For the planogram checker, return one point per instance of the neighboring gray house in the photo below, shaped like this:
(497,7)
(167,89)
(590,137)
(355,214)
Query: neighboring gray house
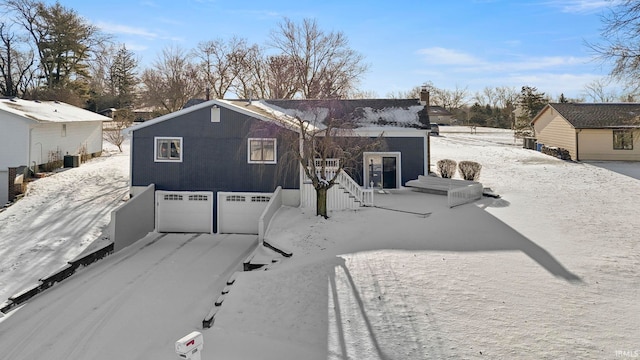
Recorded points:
(38,132)
(228,156)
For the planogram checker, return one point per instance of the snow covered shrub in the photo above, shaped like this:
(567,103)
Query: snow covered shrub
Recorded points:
(469,170)
(447,168)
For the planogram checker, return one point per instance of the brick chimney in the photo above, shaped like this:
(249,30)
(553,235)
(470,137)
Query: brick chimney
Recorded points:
(424,96)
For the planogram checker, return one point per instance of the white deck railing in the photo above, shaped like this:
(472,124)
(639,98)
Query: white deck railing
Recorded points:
(345,194)
(331,166)
(465,194)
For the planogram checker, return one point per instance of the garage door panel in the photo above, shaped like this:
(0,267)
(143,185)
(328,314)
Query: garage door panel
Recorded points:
(183,211)
(239,213)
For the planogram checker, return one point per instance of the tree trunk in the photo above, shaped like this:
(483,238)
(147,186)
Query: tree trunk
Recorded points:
(321,202)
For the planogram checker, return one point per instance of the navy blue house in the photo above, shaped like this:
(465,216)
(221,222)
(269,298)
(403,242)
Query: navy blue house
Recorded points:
(240,151)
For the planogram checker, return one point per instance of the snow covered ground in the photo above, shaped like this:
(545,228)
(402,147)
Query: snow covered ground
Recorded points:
(59,218)
(549,270)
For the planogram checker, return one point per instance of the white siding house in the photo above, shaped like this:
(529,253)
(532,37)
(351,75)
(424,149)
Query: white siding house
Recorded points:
(34,132)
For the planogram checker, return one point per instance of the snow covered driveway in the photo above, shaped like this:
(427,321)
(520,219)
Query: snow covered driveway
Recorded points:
(133,304)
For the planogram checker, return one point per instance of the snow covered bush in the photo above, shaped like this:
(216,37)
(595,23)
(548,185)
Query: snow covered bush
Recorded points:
(447,168)
(469,170)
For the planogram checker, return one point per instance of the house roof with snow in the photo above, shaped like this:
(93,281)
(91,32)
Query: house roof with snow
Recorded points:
(48,111)
(597,115)
(407,113)
(254,109)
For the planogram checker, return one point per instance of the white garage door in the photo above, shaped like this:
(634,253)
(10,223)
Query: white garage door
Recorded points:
(184,211)
(4,187)
(239,213)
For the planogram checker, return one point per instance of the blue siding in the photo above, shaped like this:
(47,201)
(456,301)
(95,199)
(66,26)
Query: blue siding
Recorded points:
(214,155)
(412,160)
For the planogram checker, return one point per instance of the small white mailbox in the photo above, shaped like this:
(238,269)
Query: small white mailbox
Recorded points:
(190,346)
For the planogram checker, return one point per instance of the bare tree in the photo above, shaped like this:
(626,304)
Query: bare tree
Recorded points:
(171,81)
(414,93)
(281,81)
(621,41)
(596,91)
(265,77)
(222,62)
(113,130)
(325,66)
(449,99)
(16,67)
(322,136)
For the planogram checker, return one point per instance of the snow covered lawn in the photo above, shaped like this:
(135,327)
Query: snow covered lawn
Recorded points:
(550,270)
(59,218)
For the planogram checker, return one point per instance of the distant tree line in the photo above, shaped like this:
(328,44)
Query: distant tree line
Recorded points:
(49,52)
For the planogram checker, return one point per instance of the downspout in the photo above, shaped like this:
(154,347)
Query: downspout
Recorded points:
(578,144)
(428,157)
(29,144)
(131,147)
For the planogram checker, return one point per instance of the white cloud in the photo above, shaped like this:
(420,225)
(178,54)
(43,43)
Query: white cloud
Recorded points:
(459,61)
(126,30)
(439,55)
(581,6)
(550,74)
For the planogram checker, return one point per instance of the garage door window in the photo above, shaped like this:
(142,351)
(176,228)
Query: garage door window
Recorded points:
(168,149)
(262,151)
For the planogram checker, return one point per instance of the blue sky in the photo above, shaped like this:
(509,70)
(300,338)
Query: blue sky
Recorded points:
(455,43)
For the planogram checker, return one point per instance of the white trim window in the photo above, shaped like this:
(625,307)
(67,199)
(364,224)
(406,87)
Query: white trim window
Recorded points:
(261,151)
(167,149)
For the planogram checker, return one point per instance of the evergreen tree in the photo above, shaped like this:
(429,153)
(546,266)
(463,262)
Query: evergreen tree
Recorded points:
(531,102)
(123,78)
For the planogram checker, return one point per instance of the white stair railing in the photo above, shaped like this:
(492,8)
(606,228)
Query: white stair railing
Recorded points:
(364,196)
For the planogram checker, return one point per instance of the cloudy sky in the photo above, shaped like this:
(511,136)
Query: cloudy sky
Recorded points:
(457,43)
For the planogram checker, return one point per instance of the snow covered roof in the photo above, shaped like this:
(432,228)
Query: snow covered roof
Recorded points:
(254,109)
(48,111)
(404,113)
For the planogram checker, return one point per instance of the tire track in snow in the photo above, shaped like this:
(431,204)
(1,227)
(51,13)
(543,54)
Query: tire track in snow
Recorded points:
(118,300)
(97,318)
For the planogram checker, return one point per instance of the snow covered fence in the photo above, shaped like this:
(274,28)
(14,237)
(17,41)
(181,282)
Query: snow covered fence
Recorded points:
(49,280)
(265,218)
(134,219)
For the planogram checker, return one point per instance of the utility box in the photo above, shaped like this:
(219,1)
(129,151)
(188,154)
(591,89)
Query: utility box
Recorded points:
(71,161)
(190,346)
(529,143)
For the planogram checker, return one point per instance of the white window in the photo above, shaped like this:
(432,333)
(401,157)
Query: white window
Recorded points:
(64,130)
(168,149)
(262,151)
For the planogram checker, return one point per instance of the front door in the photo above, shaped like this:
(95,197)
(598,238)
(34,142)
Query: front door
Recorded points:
(389,172)
(381,170)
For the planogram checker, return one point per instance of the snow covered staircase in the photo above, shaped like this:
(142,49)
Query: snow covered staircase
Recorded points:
(345,194)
